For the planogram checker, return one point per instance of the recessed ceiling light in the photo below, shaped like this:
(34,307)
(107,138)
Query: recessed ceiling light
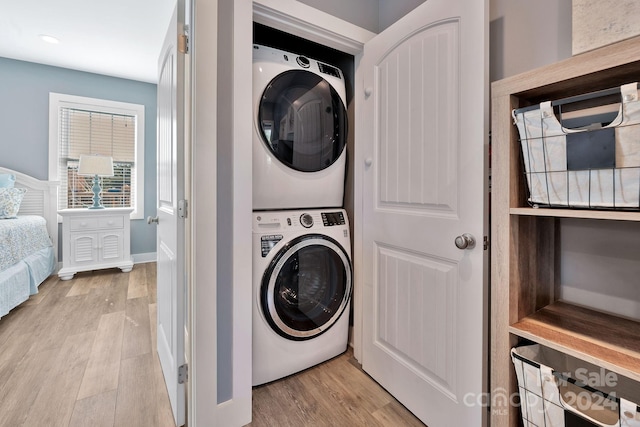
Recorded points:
(49,39)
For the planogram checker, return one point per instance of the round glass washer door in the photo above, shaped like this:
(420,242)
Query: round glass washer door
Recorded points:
(306,287)
(303,121)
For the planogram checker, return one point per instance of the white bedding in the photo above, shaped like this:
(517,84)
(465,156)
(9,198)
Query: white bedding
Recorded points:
(20,237)
(22,279)
(26,259)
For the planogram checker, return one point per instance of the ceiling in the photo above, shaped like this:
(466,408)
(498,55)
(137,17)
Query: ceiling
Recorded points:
(120,38)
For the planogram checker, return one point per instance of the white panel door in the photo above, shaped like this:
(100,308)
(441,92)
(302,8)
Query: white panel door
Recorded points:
(422,141)
(170,239)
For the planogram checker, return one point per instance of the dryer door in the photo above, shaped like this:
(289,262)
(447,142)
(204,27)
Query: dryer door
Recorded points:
(303,121)
(306,287)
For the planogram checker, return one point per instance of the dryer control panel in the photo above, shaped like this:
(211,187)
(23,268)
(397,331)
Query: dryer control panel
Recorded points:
(330,219)
(328,69)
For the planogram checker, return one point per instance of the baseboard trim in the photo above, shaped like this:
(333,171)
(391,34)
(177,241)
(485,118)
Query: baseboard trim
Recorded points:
(137,259)
(144,257)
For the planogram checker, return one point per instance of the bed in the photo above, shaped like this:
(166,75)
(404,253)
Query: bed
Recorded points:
(28,238)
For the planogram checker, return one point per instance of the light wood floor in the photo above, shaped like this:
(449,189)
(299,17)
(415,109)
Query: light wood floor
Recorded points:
(336,393)
(82,353)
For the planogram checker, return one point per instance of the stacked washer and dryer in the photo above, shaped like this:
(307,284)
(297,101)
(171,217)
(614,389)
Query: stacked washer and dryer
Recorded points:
(302,272)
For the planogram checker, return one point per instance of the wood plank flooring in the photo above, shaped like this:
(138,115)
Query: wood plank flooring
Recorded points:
(80,353)
(334,393)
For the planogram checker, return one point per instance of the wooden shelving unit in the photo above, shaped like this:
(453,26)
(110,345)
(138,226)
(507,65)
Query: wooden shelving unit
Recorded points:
(572,213)
(524,240)
(598,338)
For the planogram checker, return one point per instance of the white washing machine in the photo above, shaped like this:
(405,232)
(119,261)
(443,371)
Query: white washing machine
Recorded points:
(300,131)
(302,281)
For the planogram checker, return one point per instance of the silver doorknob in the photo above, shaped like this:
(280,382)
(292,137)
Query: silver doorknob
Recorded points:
(466,241)
(151,220)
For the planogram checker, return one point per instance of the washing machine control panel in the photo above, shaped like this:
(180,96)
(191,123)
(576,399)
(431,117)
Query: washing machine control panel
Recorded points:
(330,219)
(306,220)
(268,242)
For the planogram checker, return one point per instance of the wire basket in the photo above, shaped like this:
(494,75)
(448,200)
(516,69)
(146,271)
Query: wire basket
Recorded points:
(558,390)
(583,151)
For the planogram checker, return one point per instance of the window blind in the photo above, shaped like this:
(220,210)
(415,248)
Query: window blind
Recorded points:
(95,132)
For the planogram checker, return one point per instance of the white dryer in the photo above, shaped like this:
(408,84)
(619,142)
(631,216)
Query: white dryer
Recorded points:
(302,281)
(300,131)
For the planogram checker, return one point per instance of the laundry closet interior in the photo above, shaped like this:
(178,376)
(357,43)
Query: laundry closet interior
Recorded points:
(302,268)
(333,214)
(300,30)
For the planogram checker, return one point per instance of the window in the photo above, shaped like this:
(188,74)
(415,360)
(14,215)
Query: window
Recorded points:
(79,125)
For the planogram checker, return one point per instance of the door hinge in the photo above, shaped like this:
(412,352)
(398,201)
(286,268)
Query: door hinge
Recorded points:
(486,242)
(183,209)
(183,373)
(183,43)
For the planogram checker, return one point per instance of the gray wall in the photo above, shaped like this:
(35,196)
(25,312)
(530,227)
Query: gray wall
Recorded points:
(225,214)
(373,15)
(527,34)
(599,260)
(600,265)
(392,10)
(24,124)
(363,13)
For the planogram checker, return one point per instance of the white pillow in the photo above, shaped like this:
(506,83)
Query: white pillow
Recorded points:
(10,199)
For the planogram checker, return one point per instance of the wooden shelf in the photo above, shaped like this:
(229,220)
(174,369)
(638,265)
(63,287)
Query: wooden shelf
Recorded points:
(602,339)
(526,252)
(577,213)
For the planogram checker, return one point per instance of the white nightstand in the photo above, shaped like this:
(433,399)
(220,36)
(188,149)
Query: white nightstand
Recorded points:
(93,239)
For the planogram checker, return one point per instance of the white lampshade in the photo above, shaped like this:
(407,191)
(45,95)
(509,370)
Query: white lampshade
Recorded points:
(95,165)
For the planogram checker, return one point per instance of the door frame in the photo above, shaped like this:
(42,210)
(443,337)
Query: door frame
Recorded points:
(220,42)
(211,72)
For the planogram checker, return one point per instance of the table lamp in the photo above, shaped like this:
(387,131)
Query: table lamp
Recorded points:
(96,166)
